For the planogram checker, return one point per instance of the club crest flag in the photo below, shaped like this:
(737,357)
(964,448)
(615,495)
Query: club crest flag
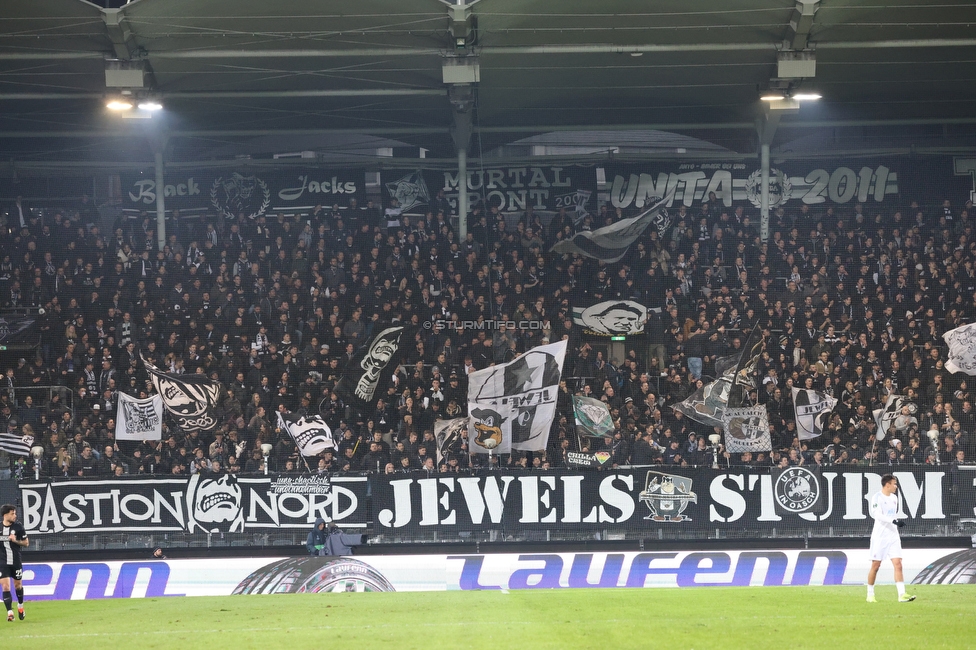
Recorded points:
(367,375)
(448,434)
(139,419)
(962,349)
(593,419)
(188,398)
(612,318)
(896,415)
(610,243)
(311,434)
(747,429)
(512,405)
(812,410)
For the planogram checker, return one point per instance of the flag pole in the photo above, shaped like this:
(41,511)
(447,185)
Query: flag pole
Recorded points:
(873,445)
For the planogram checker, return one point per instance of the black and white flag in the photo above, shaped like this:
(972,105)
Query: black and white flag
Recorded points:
(744,378)
(512,405)
(311,434)
(896,415)
(139,419)
(448,434)
(962,349)
(708,404)
(612,318)
(188,398)
(368,373)
(610,243)
(812,409)
(16,444)
(747,429)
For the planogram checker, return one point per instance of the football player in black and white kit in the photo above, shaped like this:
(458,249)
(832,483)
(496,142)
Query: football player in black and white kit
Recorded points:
(11,567)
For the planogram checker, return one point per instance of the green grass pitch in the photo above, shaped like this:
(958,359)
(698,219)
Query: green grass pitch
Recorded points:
(714,617)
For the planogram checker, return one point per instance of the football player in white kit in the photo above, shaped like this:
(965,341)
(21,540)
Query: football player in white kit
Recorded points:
(885,541)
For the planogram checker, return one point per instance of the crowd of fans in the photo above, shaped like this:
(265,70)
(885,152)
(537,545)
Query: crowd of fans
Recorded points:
(851,303)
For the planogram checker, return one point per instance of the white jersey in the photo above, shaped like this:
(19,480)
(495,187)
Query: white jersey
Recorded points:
(884,510)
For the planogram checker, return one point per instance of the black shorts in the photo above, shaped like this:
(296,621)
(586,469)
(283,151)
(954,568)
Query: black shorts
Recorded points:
(15,571)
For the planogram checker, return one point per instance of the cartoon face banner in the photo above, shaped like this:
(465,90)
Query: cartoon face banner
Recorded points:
(708,404)
(139,419)
(194,504)
(369,371)
(747,429)
(311,434)
(612,318)
(512,405)
(188,398)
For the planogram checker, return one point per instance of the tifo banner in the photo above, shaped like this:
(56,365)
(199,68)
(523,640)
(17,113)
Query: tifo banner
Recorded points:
(223,577)
(812,410)
(369,371)
(610,243)
(612,318)
(640,499)
(190,399)
(311,434)
(792,183)
(543,188)
(593,418)
(254,192)
(193,504)
(512,405)
(139,419)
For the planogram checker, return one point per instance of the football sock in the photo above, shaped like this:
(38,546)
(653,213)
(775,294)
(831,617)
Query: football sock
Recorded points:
(20,595)
(901,588)
(870,590)
(8,601)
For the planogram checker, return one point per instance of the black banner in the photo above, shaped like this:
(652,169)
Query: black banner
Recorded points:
(195,504)
(544,188)
(636,500)
(254,192)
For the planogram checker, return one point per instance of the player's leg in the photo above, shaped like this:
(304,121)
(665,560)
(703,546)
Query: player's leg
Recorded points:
(6,579)
(872,576)
(900,581)
(19,590)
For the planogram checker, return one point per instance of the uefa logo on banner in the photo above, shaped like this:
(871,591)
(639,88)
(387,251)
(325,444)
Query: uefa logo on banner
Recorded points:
(797,489)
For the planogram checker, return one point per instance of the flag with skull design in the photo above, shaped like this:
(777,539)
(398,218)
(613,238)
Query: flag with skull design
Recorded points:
(367,375)
(188,398)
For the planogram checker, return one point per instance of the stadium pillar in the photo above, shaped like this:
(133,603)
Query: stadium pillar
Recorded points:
(462,194)
(160,201)
(764,200)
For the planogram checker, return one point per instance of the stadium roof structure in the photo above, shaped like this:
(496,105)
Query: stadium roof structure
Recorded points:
(233,72)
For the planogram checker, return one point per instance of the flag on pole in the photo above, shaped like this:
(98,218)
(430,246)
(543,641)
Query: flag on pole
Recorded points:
(962,349)
(896,415)
(16,443)
(139,419)
(512,405)
(747,429)
(610,243)
(188,398)
(366,376)
(812,409)
(708,404)
(448,434)
(311,434)
(593,419)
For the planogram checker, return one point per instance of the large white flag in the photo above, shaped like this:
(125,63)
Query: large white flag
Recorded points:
(512,405)
(747,429)
(962,349)
(311,434)
(139,419)
(812,409)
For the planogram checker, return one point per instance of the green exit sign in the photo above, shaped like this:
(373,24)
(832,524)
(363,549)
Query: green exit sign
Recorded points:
(618,338)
